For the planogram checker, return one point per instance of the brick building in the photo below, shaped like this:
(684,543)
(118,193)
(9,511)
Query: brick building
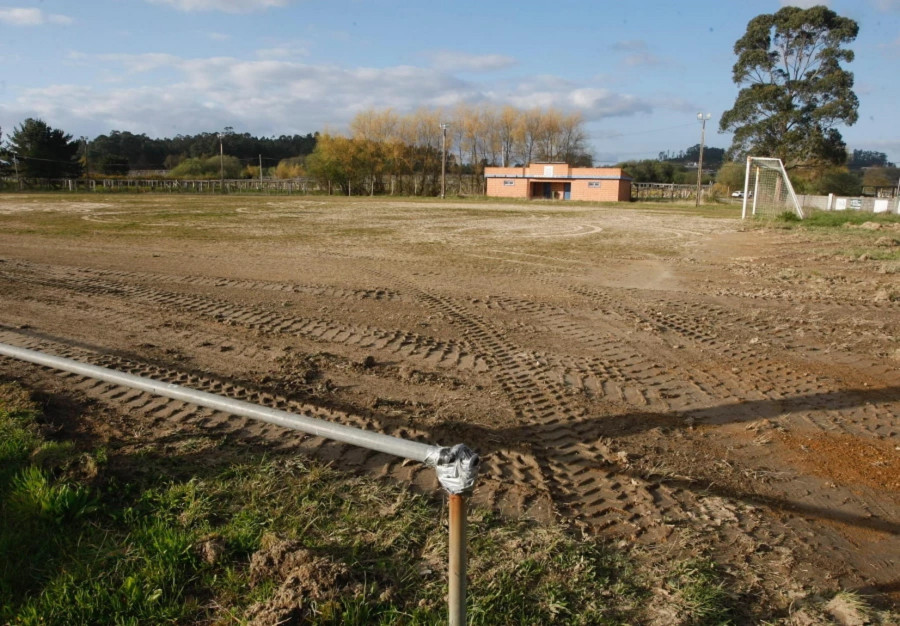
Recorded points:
(559,181)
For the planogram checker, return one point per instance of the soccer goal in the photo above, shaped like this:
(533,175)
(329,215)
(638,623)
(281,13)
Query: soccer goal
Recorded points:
(767,189)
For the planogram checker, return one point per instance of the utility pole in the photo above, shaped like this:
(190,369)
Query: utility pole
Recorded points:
(260,169)
(87,161)
(702,118)
(221,164)
(444,128)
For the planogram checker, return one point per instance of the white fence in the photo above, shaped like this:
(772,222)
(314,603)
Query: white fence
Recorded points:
(832,202)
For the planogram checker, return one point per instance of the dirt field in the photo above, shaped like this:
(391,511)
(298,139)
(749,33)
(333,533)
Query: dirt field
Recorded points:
(667,377)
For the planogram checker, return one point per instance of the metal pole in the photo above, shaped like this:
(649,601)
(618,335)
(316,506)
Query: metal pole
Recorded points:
(221,164)
(756,190)
(457,573)
(746,184)
(702,119)
(414,450)
(443,158)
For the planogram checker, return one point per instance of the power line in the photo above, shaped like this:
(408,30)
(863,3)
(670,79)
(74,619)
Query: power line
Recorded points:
(22,157)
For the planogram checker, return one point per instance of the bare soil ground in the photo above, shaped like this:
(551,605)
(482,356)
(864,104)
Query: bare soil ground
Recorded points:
(669,378)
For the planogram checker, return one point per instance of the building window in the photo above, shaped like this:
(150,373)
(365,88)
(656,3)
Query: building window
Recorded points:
(509,183)
(594,184)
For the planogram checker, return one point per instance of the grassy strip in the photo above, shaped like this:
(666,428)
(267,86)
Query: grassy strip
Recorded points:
(851,234)
(837,219)
(90,537)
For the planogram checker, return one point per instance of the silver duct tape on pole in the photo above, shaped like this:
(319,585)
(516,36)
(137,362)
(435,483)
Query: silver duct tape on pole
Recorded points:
(456,468)
(424,453)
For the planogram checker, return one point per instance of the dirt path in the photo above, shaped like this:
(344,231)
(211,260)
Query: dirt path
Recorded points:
(644,374)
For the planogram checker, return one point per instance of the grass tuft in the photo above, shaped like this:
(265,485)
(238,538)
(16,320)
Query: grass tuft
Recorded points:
(699,586)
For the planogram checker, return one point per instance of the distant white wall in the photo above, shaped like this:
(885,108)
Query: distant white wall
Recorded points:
(841,203)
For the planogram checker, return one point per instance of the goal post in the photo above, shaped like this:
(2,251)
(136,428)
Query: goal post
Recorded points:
(767,189)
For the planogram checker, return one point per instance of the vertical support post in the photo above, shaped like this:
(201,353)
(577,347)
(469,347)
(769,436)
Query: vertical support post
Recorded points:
(221,164)
(756,190)
(702,118)
(457,574)
(746,186)
(456,469)
(443,159)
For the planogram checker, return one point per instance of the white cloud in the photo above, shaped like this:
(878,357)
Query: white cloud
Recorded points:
(31,17)
(451,61)
(594,103)
(228,6)
(277,95)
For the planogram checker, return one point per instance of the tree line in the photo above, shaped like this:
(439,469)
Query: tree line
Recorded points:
(381,144)
(36,150)
(385,151)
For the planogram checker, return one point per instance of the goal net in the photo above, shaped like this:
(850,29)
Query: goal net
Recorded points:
(767,189)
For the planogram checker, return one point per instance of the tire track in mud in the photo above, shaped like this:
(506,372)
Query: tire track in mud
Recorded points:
(756,377)
(706,386)
(328,291)
(619,371)
(777,383)
(507,479)
(577,466)
(827,405)
(252,285)
(558,452)
(436,353)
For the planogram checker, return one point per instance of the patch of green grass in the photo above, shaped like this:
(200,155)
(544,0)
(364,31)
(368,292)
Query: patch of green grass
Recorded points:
(835,219)
(701,594)
(34,494)
(823,220)
(546,577)
(844,234)
(789,217)
(19,434)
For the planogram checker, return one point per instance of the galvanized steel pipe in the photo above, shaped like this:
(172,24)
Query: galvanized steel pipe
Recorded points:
(414,450)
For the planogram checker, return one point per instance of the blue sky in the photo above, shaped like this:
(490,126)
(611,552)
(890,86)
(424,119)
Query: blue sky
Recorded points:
(638,72)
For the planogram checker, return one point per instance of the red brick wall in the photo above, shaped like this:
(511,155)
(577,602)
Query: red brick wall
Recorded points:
(518,188)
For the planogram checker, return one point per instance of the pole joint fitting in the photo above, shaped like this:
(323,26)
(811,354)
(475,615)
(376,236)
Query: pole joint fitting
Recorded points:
(456,468)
